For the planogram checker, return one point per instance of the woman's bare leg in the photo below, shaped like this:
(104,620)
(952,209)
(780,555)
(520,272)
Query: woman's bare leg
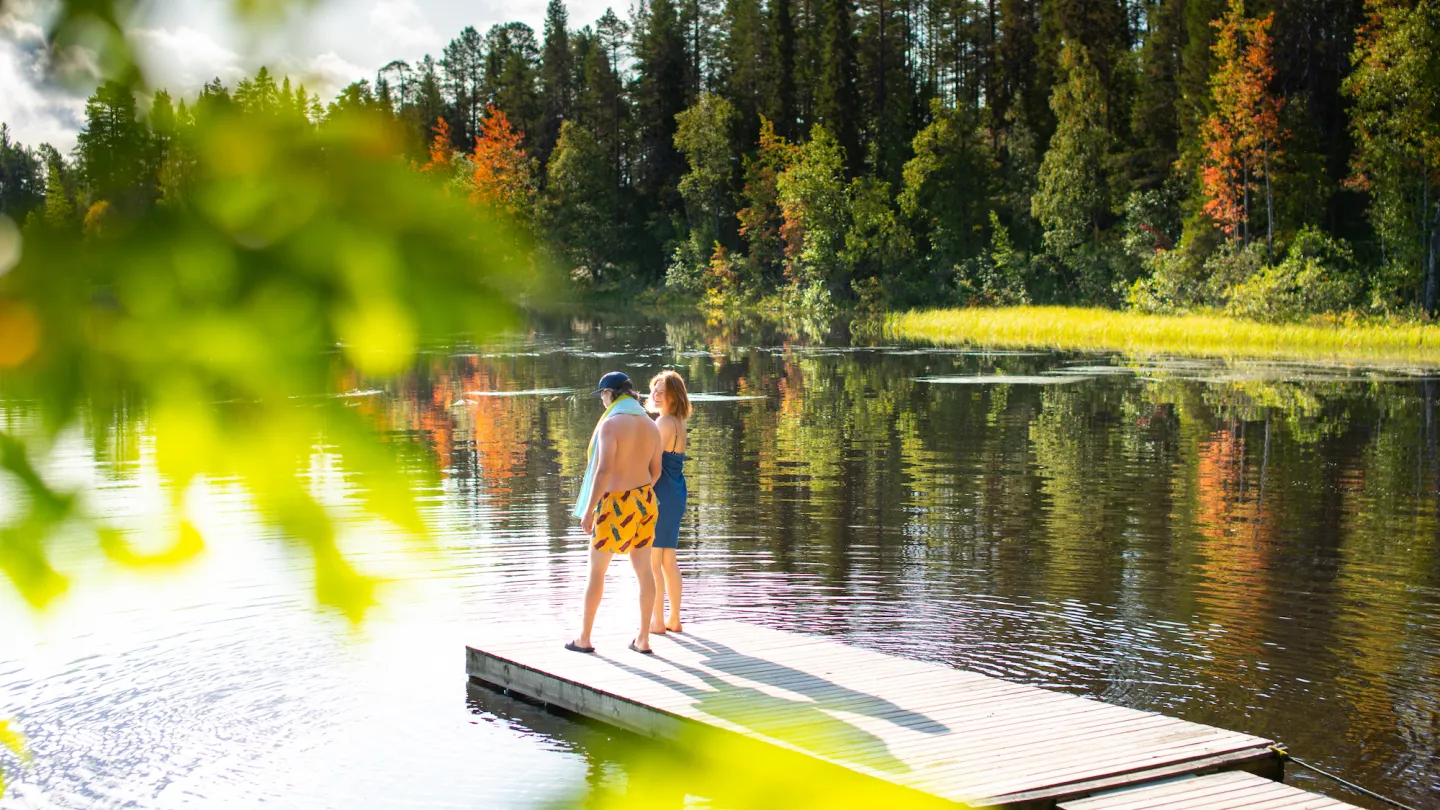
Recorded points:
(671,566)
(640,559)
(594,589)
(657,616)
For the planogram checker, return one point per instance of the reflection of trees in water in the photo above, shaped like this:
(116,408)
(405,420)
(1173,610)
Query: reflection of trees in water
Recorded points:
(1387,637)
(1286,524)
(1079,457)
(1237,531)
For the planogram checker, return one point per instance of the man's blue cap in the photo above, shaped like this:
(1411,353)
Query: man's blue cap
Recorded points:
(610,382)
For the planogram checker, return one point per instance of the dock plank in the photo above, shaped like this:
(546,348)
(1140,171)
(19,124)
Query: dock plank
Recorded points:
(961,736)
(1220,791)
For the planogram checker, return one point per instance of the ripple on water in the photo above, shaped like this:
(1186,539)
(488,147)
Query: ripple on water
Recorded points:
(1071,522)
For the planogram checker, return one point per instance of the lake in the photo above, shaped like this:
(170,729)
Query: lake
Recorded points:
(1249,545)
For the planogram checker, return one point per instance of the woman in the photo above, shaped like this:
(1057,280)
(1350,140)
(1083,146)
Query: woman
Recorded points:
(670,401)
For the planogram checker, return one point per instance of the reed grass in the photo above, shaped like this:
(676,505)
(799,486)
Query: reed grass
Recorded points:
(1083,329)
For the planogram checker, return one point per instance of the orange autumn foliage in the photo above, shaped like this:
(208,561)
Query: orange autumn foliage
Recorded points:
(439,150)
(1242,136)
(503,175)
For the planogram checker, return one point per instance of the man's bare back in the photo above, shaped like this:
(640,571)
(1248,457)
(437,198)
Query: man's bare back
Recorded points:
(629,452)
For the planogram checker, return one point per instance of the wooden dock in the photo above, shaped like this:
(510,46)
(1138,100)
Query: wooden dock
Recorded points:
(959,736)
(1213,792)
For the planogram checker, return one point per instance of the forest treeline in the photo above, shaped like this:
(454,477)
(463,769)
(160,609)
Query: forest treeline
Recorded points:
(1272,158)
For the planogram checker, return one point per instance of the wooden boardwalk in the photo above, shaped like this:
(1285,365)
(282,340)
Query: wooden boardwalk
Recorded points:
(960,736)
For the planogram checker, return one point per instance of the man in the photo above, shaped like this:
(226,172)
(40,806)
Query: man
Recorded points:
(617,506)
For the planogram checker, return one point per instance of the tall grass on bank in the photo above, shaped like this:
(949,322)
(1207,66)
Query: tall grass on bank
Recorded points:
(1074,328)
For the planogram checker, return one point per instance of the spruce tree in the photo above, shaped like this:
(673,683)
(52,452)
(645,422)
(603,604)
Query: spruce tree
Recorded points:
(557,77)
(661,94)
(112,147)
(21,179)
(1396,126)
(1072,202)
(835,94)
(463,69)
(779,76)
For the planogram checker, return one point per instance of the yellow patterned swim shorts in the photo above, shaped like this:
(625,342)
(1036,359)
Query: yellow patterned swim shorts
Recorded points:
(625,521)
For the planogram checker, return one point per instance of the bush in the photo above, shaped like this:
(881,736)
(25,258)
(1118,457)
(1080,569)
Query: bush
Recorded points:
(1228,267)
(996,276)
(721,278)
(688,265)
(812,298)
(1196,275)
(1174,281)
(1317,276)
(1152,221)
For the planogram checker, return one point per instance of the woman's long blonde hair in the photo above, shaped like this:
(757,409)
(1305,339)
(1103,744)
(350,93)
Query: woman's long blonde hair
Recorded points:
(677,400)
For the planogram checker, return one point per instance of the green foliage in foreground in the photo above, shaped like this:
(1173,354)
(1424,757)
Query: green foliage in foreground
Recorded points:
(1081,329)
(734,771)
(294,262)
(12,741)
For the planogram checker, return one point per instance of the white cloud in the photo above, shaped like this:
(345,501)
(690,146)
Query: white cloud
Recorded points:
(184,43)
(38,108)
(403,23)
(183,59)
(328,73)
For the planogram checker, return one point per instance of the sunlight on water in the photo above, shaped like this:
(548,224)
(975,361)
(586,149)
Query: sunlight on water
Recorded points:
(1253,550)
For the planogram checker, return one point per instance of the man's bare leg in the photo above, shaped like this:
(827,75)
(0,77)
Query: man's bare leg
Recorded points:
(640,559)
(657,617)
(671,568)
(594,589)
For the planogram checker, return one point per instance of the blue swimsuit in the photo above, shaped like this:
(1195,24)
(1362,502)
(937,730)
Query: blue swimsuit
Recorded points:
(670,491)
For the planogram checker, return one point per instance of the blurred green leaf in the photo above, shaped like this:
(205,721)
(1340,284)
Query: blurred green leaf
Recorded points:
(13,741)
(295,254)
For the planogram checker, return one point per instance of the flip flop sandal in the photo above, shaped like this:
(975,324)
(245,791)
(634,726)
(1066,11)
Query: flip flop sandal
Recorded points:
(573,647)
(642,652)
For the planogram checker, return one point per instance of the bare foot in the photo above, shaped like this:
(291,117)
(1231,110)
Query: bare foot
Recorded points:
(676,628)
(657,629)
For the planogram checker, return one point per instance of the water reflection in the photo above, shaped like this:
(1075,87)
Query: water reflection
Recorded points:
(1253,546)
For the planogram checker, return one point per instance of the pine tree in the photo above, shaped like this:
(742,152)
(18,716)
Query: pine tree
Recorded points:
(428,106)
(661,94)
(1155,118)
(779,73)
(511,76)
(603,78)
(557,77)
(1396,126)
(889,105)
(112,147)
(59,210)
(1072,202)
(741,73)
(463,68)
(836,93)
(1196,59)
(21,178)
(575,211)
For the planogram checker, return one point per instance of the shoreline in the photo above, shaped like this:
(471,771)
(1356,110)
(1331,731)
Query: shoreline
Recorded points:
(1219,336)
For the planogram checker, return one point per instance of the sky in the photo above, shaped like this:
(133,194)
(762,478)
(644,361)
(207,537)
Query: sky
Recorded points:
(183,43)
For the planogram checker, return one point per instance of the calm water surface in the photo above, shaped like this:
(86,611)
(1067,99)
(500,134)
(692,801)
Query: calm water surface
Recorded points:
(1247,545)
